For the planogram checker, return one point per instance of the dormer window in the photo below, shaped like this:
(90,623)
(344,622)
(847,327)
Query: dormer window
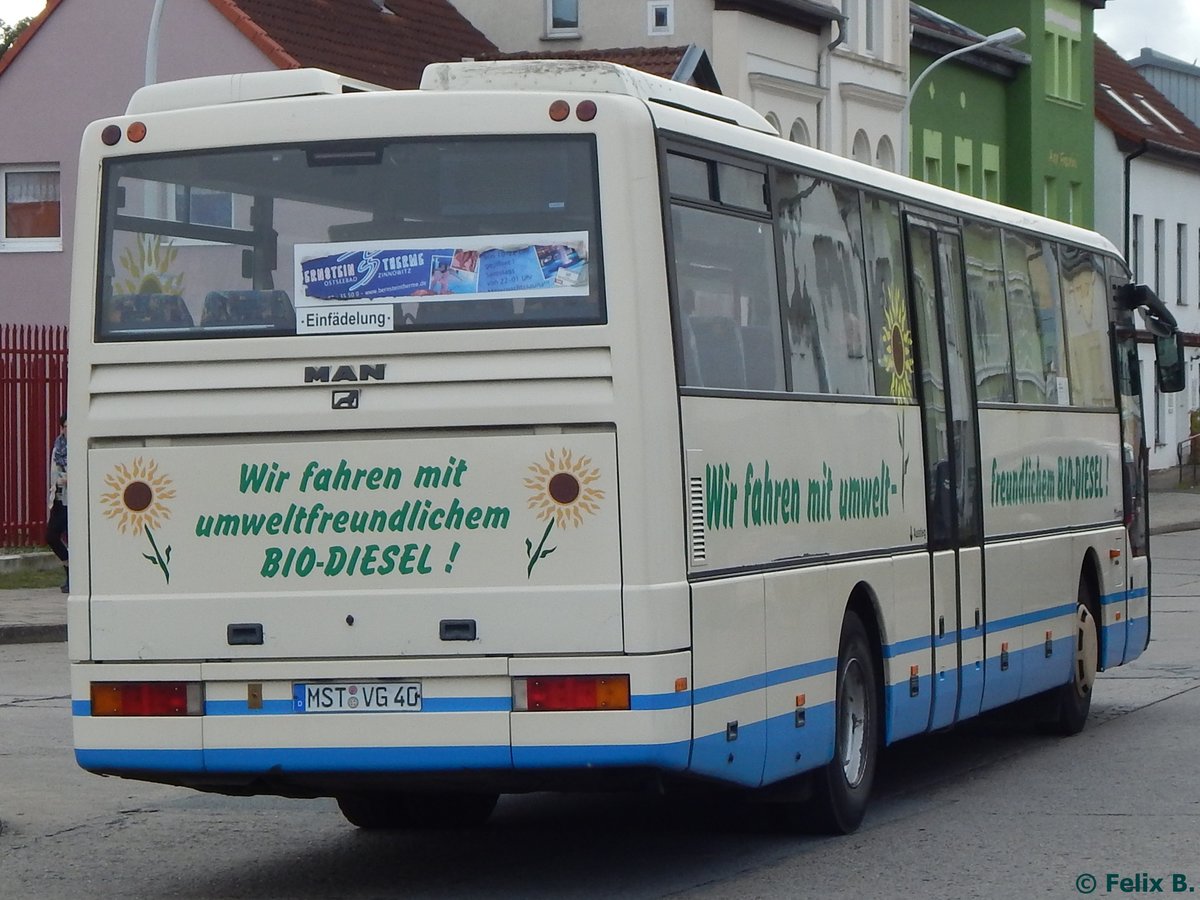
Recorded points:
(562,18)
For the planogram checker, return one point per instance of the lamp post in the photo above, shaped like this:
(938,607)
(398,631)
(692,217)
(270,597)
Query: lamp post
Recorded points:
(1012,35)
(152,43)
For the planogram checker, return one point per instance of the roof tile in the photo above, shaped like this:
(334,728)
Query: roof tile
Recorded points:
(388,45)
(1128,84)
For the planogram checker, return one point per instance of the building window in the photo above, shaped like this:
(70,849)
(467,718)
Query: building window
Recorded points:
(799,133)
(885,154)
(32,209)
(872,25)
(1049,198)
(660,17)
(931,150)
(1062,67)
(861,151)
(562,18)
(200,206)
(990,158)
(1181,258)
(1074,202)
(964,176)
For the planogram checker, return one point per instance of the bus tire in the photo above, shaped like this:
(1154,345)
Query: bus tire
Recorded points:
(1075,697)
(842,789)
(450,810)
(378,811)
(390,811)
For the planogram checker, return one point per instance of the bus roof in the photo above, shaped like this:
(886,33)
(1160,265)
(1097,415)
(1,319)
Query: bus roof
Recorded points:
(213,90)
(589,76)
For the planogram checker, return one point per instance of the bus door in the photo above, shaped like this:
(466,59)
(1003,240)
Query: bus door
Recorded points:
(952,471)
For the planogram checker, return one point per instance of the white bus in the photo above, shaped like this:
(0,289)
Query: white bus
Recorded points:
(555,426)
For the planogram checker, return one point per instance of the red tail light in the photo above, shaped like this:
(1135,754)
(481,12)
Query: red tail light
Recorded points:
(570,692)
(147,698)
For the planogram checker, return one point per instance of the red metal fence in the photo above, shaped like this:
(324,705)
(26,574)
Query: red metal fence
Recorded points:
(33,389)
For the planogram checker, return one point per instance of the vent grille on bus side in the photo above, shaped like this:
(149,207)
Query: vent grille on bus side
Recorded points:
(699,549)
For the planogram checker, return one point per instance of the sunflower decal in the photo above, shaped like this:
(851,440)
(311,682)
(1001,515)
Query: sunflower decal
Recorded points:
(896,345)
(147,267)
(137,501)
(560,492)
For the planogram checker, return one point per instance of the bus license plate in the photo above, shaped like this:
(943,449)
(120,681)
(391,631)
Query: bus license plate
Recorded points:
(358,696)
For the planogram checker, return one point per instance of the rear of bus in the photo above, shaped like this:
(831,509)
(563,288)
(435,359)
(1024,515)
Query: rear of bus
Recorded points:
(375,399)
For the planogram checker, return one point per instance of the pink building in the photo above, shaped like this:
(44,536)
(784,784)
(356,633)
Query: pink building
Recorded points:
(81,61)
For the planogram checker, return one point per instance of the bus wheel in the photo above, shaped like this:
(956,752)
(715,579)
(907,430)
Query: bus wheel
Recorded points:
(1075,697)
(390,811)
(373,812)
(450,810)
(842,789)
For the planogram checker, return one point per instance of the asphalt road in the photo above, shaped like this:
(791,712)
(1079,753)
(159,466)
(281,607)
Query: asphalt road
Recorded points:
(989,810)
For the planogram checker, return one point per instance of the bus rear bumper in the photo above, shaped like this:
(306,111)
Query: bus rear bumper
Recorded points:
(251,737)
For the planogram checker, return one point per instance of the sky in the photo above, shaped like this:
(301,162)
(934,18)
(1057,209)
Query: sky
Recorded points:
(1169,26)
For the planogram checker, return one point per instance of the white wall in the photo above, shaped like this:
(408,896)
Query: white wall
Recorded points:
(1163,190)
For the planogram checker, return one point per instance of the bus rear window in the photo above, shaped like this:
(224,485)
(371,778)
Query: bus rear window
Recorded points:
(361,236)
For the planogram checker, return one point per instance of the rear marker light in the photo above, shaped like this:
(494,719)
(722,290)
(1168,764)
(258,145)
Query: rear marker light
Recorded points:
(111,135)
(147,698)
(136,132)
(560,693)
(559,110)
(586,110)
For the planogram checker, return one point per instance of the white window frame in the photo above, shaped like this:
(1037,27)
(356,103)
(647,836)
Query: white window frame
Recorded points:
(29,244)
(556,33)
(651,8)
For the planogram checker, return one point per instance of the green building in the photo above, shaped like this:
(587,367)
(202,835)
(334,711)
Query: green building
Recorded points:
(1013,124)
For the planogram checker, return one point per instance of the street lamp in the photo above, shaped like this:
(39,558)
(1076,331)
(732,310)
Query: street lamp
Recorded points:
(152,43)
(1012,35)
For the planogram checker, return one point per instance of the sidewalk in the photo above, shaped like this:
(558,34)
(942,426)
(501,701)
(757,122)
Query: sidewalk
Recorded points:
(39,615)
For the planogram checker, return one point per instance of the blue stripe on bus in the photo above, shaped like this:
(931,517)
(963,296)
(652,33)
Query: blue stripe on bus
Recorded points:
(726,689)
(673,700)
(141,760)
(899,648)
(1122,596)
(428,704)
(666,756)
(242,760)
(803,670)
(1041,615)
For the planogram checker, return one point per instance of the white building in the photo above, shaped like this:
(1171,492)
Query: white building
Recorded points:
(828,74)
(1148,154)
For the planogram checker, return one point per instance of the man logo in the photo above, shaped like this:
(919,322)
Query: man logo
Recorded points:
(364,372)
(346,399)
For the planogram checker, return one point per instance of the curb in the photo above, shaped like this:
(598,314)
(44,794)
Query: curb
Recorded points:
(29,562)
(33,634)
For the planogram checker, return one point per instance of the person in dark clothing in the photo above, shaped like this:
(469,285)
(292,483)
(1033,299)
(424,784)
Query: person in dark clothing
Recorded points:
(56,522)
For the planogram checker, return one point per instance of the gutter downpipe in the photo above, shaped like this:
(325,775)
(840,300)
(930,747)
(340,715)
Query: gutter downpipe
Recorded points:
(825,120)
(1128,217)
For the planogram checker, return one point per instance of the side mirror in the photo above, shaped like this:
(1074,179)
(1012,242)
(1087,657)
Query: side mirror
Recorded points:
(1169,367)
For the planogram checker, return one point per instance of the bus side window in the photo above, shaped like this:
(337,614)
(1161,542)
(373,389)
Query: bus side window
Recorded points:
(718,351)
